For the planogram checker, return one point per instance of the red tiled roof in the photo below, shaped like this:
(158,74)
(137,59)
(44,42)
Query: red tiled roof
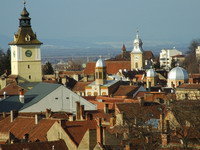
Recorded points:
(139,94)
(12,89)
(100,101)
(47,145)
(80,86)
(23,125)
(126,90)
(139,77)
(190,86)
(70,72)
(77,129)
(90,68)
(178,56)
(132,110)
(40,131)
(100,114)
(112,67)
(197,75)
(148,55)
(100,105)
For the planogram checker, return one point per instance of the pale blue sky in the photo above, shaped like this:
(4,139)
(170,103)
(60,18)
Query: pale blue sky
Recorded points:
(107,21)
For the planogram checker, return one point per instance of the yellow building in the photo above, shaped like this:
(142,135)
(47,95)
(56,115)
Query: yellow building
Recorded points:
(25,52)
(101,86)
(151,78)
(137,61)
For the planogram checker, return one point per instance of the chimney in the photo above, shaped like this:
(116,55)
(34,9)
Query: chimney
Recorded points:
(4,114)
(99,131)
(62,122)
(141,101)
(106,108)
(148,139)
(82,112)
(13,115)
(4,95)
(112,121)
(71,118)
(88,116)
(21,96)
(78,111)
(38,117)
(48,113)
(165,139)
(26,138)
(128,146)
(162,121)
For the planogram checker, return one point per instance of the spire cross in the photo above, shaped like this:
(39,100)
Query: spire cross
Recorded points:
(24,3)
(137,35)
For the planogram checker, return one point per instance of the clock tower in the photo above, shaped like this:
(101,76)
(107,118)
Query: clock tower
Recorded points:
(137,61)
(25,52)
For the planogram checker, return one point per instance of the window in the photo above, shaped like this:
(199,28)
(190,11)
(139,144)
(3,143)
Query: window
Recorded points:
(97,75)
(27,38)
(136,65)
(29,76)
(88,93)
(28,66)
(100,75)
(95,94)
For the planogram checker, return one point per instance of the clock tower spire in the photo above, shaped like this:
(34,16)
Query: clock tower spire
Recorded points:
(25,51)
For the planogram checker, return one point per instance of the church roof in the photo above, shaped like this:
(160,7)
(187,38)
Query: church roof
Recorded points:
(25,35)
(20,37)
(178,73)
(151,73)
(100,63)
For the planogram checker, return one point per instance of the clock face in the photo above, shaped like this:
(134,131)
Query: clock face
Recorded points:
(28,53)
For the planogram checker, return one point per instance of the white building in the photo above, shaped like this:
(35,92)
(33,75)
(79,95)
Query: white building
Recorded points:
(166,57)
(46,95)
(198,53)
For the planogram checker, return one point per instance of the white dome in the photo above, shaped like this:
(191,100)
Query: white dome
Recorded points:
(100,63)
(151,73)
(137,40)
(178,73)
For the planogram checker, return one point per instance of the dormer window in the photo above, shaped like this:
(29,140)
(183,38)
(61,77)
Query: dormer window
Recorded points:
(27,38)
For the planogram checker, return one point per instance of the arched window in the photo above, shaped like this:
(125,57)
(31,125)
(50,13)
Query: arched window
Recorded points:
(136,65)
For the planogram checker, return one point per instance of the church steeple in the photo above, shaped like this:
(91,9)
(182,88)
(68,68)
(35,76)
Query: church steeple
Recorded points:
(137,44)
(25,51)
(25,20)
(25,34)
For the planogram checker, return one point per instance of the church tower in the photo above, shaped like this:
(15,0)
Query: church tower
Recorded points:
(25,52)
(137,61)
(100,72)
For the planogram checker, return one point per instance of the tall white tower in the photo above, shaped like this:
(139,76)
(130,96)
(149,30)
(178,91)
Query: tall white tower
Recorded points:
(137,61)
(25,52)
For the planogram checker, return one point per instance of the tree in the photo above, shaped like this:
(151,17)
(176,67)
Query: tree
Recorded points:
(5,62)
(47,69)
(191,63)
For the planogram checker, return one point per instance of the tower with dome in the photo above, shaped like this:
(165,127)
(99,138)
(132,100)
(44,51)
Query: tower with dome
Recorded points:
(177,76)
(137,61)
(101,86)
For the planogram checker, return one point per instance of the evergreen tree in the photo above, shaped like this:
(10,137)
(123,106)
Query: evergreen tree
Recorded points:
(47,69)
